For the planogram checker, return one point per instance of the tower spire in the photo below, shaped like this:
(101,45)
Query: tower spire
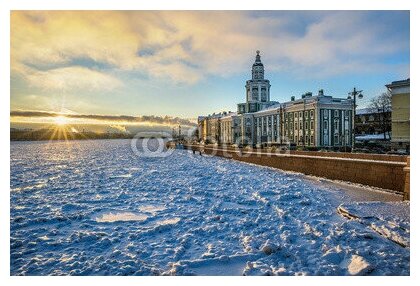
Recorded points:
(257,57)
(258,67)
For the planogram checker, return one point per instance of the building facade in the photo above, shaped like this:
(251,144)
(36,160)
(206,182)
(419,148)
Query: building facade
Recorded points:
(312,121)
(209,128)
(400,91)
(369,121)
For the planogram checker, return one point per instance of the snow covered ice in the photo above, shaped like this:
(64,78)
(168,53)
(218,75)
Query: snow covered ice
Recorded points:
(94,208)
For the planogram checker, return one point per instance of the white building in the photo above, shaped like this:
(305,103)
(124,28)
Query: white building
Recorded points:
(312,121)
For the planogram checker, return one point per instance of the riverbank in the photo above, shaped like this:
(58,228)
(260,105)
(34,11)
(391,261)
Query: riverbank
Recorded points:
(382,171)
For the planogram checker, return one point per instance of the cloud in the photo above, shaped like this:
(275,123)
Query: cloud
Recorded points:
(188,46)
(161,120)
(71,78)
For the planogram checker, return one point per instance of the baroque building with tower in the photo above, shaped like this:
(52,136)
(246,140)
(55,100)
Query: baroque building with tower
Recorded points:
(312,121)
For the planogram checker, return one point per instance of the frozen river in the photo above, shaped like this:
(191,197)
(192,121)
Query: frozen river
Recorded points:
(94,208)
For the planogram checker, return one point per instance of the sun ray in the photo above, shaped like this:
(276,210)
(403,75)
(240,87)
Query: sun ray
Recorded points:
(55,130)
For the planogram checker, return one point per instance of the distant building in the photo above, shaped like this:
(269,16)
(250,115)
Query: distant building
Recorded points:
(400,91)
(209,127)
(369,121)
(202,128)
(313,120)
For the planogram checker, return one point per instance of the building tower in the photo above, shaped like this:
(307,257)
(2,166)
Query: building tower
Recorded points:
(258,68)
(257,89)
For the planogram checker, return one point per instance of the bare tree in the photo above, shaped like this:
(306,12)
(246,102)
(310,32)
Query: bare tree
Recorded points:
(383,105)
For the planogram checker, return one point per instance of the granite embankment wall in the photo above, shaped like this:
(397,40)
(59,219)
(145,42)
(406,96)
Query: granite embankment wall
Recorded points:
(383,171)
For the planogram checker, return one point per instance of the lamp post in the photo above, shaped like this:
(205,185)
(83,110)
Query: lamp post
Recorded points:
(352,95)
(382,121)
(303,123)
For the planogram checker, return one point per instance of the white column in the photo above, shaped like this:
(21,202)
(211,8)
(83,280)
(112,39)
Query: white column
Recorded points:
(274,126)
(330,128)
(343,131)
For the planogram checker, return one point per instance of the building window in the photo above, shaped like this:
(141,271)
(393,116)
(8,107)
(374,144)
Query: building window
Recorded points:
(306,125)
(312,124)
(295,125)
(306,139)
(325,124)
(335,139)
(295,114)
(347,113)
(336,125)
(300,125)
(312,139)
(335,113)
(300,114)
(312,114)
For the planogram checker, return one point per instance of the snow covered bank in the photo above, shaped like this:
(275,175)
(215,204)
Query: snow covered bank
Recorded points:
(389,219)
(93,208)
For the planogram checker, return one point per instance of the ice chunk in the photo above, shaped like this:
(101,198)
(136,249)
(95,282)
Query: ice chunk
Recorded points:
(121,216)
(358,265)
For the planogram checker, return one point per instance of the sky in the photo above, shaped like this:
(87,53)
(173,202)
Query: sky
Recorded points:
(168,67)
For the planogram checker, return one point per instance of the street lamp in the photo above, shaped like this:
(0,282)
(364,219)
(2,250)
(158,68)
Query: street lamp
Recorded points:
(382,121)
(352,95)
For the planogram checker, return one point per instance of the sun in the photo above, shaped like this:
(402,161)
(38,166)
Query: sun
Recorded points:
(60,120)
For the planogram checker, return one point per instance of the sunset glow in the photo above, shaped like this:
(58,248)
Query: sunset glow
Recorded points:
(189,63)
(60,120)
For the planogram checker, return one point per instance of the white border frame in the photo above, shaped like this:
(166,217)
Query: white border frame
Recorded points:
(194,5)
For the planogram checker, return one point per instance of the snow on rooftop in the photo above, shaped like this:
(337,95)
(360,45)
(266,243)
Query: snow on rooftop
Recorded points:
(228,115)
(368,137)
(270,108)
(363,111)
